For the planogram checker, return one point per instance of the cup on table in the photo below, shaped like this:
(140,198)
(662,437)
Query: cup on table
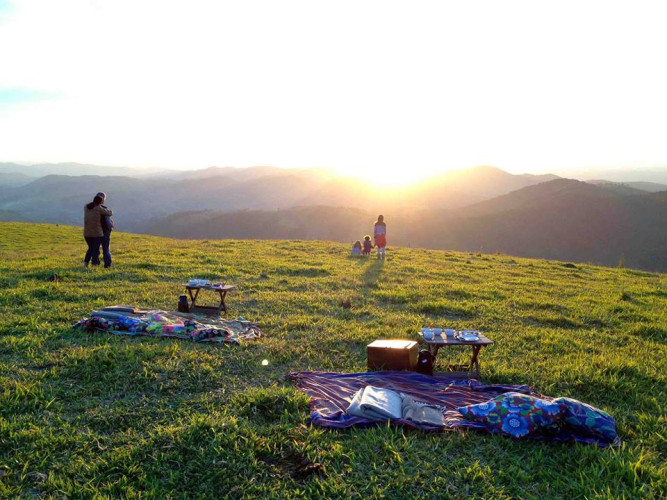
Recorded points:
(427,333)
(437,332)
(450,332)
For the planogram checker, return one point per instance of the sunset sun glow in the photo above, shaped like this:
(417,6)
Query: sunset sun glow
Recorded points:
(390,176)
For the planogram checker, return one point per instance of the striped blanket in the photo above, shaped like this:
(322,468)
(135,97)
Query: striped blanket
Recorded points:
(331,394)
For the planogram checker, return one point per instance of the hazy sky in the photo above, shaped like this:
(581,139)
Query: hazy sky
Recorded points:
(383,88)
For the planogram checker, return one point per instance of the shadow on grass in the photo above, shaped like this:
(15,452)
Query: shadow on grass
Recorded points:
(551,322)
(309,272)
(372,273)
(442,309)
(115,274)
(649,331)
(271,405)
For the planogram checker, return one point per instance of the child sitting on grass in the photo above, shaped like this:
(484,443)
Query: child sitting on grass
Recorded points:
(367,246)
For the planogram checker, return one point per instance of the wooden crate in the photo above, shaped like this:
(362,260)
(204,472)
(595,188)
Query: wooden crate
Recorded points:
(392,354)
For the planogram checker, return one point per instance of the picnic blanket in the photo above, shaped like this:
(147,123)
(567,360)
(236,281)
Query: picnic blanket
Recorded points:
(121,320)
(332,393)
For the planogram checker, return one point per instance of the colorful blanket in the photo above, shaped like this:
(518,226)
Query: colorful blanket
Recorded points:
(157,323)
(332,393)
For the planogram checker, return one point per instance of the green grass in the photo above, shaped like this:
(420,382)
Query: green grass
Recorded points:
(96,415)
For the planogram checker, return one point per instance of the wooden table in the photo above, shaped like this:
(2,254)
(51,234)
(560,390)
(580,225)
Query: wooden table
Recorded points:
(222,290)
(472,368)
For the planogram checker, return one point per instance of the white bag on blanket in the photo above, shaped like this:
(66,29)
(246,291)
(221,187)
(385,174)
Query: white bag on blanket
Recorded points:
(376,403)
(380,404)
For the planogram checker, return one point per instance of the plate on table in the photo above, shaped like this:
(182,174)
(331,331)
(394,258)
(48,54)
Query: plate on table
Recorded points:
(468,335)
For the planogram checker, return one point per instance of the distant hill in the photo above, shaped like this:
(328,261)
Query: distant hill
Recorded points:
(14,179)
(561,219)
(304,223)
(484,182)
(559,192)
(651,187)
(60,198)
(10,216)
(72,168)
(450,190)
(629,174)
(478,209)
(229,172)
(81,169)
(244,173)
(565,220)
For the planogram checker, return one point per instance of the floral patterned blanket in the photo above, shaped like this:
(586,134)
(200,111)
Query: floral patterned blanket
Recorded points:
(156,323)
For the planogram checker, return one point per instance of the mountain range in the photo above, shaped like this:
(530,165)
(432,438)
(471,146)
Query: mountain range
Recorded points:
(59,198)
(481,209)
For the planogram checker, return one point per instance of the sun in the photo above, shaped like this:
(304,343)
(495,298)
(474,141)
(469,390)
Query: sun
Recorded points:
(386,176)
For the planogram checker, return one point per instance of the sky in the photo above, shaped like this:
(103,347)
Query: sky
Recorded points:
(392,91)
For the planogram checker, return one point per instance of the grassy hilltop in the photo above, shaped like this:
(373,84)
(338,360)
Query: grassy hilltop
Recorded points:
(86,414)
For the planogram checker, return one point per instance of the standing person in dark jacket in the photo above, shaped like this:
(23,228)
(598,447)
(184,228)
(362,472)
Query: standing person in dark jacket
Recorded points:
(92,228)
(107,227)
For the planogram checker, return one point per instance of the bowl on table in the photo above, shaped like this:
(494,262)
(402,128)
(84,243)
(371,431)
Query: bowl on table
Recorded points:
(428,333)
(468,335)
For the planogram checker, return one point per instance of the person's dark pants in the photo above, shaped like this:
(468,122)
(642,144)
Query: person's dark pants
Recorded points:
(106,252)
(93,250)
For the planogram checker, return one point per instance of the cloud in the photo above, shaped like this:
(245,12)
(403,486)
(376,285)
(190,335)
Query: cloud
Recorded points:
(5,6)
(18,96)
